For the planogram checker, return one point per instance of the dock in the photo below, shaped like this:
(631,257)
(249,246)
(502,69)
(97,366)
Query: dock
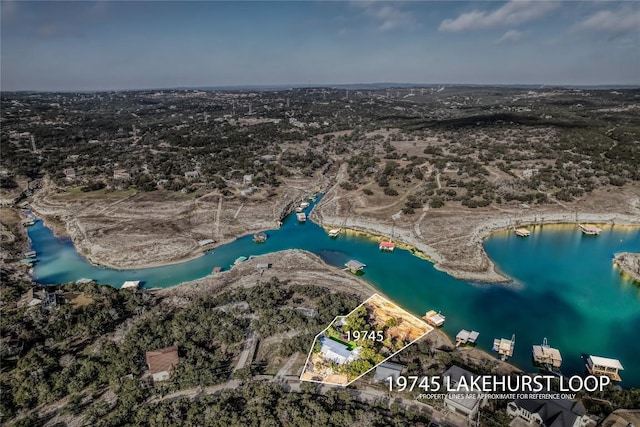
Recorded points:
(29,261)
(239,260)
(130,284)
(387,246)
(546,356)
(466,337)
(260,237)
(355,266)
(334,232)
(523,232)
(30,254)
(434,318)
(590,230)
(597,365)
(302,217)
(504,347)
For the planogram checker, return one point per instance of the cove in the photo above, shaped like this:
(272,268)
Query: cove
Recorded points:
(565,287)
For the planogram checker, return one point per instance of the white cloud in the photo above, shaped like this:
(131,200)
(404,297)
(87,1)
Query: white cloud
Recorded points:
(615,22)
(510,36)
(513,13)
(387,15)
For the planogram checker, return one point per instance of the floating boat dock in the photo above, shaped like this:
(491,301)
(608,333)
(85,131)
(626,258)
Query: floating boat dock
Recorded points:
(302,217)
(239,260)
(597,365)
(522,232)
(504,347)
(130,284)
(590,230)
(334,232)
(547,356)
(434,318)
(387,246)
(466,337)
(355,266)
(260,237)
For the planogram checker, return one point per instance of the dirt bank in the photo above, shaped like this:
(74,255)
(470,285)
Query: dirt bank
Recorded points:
(629,263)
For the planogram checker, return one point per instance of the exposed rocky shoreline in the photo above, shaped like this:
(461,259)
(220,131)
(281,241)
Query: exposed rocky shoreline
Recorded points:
(629,263)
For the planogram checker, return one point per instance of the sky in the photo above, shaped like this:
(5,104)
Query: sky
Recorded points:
(118,45)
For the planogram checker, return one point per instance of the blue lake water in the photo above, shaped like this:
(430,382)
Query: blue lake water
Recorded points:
(565,286)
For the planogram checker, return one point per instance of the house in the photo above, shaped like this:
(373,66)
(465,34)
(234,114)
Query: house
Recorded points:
(388,370)
(32,298)
(162,361)
(335,351)
(528,173)
(463,402)
(121,174)
(192,175)
(549,412)
(70,174)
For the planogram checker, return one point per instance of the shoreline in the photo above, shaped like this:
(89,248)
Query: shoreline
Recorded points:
(482,231)
(629,265)
(377,232)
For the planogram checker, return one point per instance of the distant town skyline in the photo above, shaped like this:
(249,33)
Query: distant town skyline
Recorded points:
(104,45)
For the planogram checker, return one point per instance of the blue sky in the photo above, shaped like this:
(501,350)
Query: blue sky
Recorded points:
(108,45)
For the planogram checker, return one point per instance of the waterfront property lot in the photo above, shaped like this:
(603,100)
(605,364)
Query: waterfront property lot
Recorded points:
(354,344)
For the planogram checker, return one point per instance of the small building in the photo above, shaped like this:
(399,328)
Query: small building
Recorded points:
(335,351)
(162,361)
(355,266)
(466,337)
(206,242)
(247,179)
(463,401)
(387,246)
(549,412)
(263,266)
(70,174)
(131,284)
(504,347)
(547,356)
(121,174)
(192,174)
(388,370)
(597,365)
(260,237)
(528,173)
(32,298)
(434,318)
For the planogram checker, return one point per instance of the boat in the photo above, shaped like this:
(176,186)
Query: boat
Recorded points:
(387,246)
(523,232)
(216,269)
(434,318)
(29,261)
(299,209)
(28,222)
(334,232)
(30,254)
(304,205)
(590,230)
(302,217)
(260,237)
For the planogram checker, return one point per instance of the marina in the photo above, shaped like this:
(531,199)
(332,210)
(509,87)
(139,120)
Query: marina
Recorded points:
(565,282)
